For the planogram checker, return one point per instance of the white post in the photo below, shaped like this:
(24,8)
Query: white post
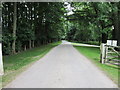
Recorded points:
(1,60)
(103,53)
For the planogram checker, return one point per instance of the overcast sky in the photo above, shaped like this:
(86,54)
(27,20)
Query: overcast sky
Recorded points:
(69,8)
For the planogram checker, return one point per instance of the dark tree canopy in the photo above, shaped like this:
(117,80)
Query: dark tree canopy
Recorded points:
(95,21)
(37,24)
(30,24)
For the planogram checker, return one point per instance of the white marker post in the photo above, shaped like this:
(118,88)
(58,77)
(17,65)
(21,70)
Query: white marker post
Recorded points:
(1,60)
(112,42)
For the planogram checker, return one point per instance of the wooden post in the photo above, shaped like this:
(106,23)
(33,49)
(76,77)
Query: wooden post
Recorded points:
(1,61)
(103,52)
(106,54)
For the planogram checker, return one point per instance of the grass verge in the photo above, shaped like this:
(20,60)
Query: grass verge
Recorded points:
(15,64)
(93,53)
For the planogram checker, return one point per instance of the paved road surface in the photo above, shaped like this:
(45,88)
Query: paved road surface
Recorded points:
(62,67)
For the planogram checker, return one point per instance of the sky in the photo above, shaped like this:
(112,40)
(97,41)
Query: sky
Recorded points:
(69,8)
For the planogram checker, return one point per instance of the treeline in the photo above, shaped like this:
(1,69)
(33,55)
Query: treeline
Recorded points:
(94,21)
(30,24)
(26,25)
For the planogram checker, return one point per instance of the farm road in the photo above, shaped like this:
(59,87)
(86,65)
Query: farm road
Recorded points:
(62,67)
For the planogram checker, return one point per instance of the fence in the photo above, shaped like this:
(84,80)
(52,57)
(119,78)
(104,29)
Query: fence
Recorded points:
(110,54)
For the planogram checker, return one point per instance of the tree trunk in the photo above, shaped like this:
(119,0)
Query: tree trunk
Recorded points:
(104,38)
(14,28)
(33,44)
(116,20)
(118,37)
(115,30)
(24,47)
(104,35)
(30,44)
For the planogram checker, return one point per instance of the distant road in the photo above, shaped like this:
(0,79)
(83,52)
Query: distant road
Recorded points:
(62,67)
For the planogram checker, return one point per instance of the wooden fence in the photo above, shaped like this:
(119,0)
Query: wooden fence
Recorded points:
(110,54)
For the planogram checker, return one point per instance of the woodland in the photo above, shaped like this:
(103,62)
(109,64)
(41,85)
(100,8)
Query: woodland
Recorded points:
(26,25)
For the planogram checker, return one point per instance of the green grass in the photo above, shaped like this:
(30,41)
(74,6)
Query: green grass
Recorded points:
(15,64)
(93,54)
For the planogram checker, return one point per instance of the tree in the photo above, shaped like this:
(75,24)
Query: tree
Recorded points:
(96,21)
(38,24)
(14,28)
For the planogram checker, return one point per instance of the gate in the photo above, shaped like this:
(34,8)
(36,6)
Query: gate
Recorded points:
(110,53)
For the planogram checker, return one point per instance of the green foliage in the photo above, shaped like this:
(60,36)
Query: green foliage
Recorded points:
(37,23)
(45,22)
(93,21)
